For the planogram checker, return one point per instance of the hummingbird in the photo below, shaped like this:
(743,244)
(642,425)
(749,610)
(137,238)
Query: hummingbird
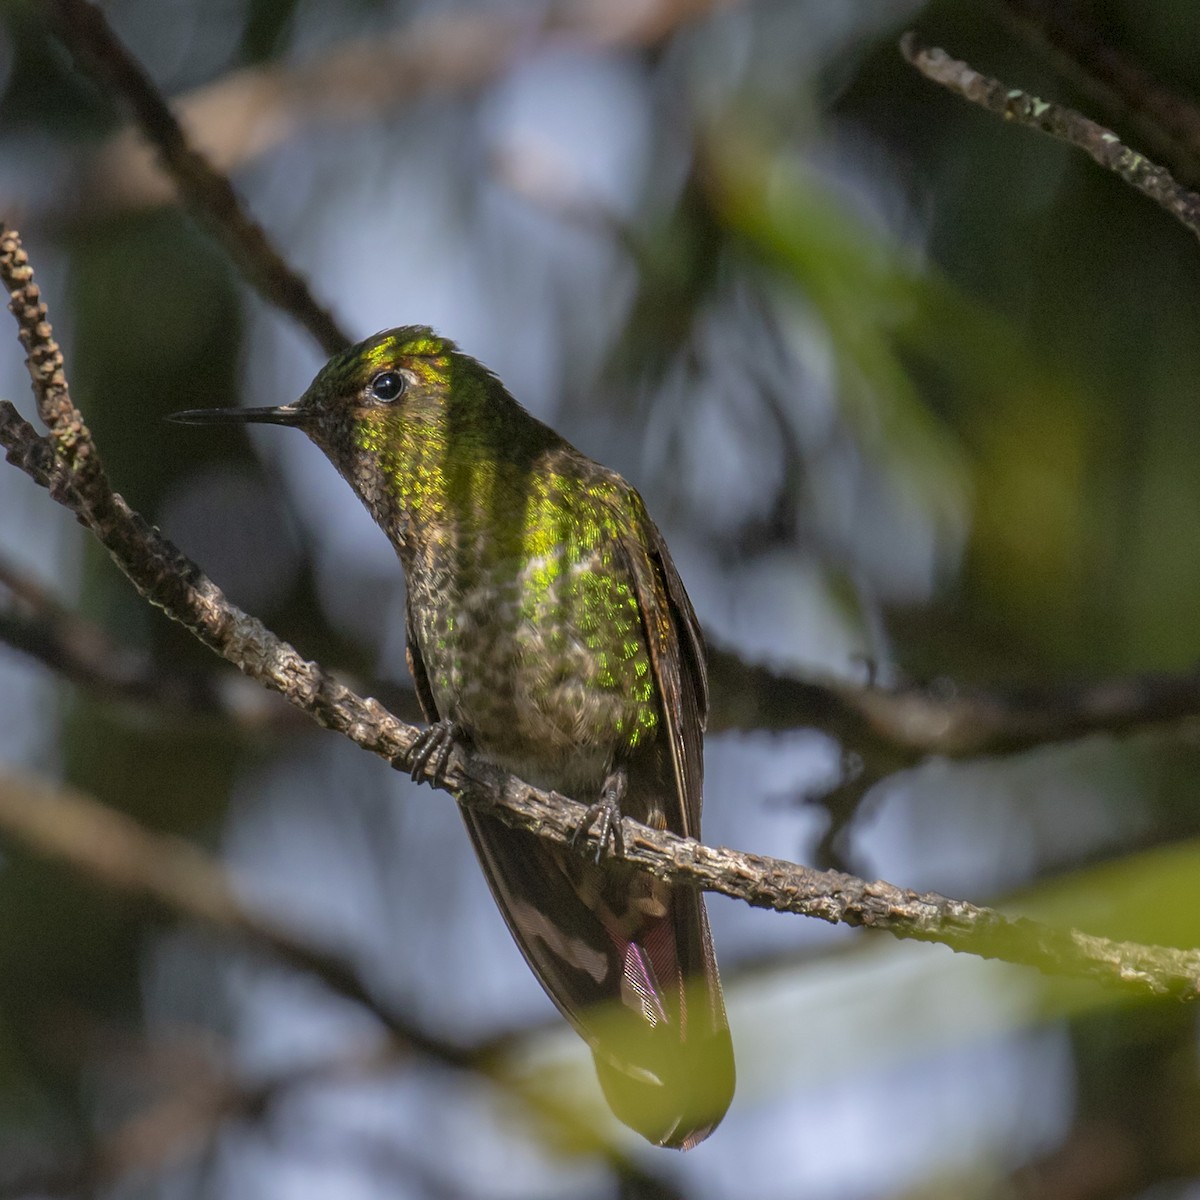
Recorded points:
(548,629)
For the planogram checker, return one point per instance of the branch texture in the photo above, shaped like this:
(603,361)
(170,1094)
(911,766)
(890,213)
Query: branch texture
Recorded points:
(167,578)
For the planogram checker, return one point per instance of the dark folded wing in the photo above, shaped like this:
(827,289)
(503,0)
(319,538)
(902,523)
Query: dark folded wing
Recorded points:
(677,659)
(416,666)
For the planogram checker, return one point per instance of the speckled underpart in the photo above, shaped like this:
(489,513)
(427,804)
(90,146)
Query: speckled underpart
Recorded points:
(533,640)
(522,598)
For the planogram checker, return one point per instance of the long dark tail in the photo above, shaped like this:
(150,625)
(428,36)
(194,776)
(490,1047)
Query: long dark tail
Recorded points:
(671,1078)
(629,962)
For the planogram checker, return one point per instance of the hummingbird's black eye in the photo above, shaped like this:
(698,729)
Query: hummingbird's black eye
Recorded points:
(387,386)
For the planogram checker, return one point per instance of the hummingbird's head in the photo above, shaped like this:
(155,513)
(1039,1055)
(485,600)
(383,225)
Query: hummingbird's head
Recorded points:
(401,376)
(403,416)
(403,373)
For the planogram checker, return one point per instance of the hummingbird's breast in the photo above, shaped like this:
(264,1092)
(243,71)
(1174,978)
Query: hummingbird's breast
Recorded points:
(532,639)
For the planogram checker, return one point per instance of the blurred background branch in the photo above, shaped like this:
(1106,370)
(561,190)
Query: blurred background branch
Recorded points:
(174,877)
(207,192)
(249,112)
(36,623)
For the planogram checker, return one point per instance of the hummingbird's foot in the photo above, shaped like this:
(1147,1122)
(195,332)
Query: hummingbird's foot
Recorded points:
(605,814)
(431,754)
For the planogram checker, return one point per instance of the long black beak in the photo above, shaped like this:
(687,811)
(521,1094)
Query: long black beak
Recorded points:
(286,414)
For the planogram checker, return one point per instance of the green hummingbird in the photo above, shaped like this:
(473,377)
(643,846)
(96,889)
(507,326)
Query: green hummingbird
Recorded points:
(548,628)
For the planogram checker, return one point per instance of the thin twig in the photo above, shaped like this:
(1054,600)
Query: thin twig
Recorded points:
(1167,122)
(73,448)
(1065,124)
(207,193)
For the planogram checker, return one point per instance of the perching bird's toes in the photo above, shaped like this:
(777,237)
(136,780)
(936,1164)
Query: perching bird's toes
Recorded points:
(605,814)
(431,754)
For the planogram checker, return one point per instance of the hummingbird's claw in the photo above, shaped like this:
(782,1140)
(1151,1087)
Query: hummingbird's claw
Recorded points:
(434,746)
(605,814)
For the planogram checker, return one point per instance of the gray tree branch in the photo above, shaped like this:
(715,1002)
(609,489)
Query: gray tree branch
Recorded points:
(68,464)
